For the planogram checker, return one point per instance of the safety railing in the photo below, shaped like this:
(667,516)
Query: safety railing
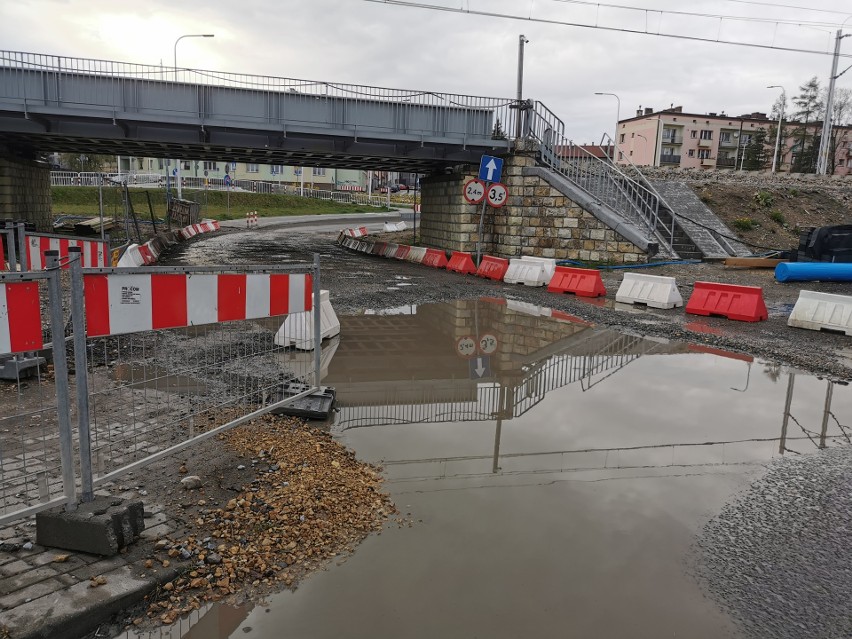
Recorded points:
(34,80)
(597,176)
(163,359)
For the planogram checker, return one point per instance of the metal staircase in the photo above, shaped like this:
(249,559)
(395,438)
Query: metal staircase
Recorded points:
(632,200)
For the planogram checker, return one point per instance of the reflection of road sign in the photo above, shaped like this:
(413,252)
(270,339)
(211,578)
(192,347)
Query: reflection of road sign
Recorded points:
(488,343)
(466,347)
(174,171)
(480,368)
(497,195)
(490,168)
(205,173)
(474,191)
(297,171)
(227,180)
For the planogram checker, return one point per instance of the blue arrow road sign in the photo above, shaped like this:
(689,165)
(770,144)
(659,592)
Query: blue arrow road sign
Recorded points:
(480,367)
(490,168)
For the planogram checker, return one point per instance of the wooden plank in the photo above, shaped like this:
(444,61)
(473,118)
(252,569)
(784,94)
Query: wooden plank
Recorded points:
(753,262)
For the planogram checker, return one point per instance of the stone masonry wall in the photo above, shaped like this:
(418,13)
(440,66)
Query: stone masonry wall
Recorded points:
(537,221)
(24,191)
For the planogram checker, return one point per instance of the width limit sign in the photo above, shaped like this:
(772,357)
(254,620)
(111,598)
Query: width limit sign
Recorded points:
(476,192)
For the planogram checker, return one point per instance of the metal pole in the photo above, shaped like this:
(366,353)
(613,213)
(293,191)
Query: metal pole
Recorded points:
(617,120)
(81,374)
(22,247)
(317,322)
(60,370)
(780,119)
(101,205)
(479,235)
(825,141)
(522,40)
(782,445)
(10,246)
(826,411)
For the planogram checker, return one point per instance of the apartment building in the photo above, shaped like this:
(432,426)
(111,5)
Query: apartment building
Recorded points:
(673,138)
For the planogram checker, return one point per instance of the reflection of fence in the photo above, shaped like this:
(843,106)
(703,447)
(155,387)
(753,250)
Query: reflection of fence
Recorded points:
(165,358)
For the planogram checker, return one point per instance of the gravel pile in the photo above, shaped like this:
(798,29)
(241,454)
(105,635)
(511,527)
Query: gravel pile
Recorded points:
(779,558)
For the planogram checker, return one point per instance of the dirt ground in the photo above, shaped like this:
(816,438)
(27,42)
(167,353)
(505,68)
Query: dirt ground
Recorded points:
(771,216)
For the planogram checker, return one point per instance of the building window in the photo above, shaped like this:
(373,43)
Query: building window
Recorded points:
(211,166)
(276,169)
(160,164)
(631,154)
(691,153)
(706,134)
(620,155)
(693,134)
(724,137)
(319,171)
(185,166)
(632,135)
(703,154)
(251,168)
(621,139)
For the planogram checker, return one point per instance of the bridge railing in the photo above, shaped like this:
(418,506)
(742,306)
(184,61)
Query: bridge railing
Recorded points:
(33,81)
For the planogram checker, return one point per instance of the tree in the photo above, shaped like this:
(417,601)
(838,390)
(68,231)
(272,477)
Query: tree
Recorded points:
(841,114)
(809,109)
(83,163)
(755,153)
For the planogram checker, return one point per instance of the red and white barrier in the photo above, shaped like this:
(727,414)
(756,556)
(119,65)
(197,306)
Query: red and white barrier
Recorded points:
(20,318)
(361,231)
(94,251)
(196,229)
(126,303)
(2,258)
(251,220)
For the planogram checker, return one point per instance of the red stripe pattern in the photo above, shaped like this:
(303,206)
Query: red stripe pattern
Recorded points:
(94,252)
(127,303)
(20,318)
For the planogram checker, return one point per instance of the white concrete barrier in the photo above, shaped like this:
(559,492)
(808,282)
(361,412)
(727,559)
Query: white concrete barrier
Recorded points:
(822,311)
(132,257)
(530,271)
(655,291)
(298,329)
(391,227)
(390,250)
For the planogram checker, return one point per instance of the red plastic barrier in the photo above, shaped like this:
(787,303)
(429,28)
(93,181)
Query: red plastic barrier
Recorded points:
(461,263)
(494,268)
(435,258)
(583,282)
(742,303)
(565,317)
(402,252)
(379,248)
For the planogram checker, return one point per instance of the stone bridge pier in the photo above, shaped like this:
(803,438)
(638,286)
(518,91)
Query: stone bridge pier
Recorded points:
(24,188)
(538,220)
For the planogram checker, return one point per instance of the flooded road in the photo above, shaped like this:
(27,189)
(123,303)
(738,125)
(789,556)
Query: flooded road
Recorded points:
(554,475)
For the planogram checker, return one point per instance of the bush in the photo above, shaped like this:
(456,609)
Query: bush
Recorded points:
(764,198)
(794,192)
(744,224)
(777,217)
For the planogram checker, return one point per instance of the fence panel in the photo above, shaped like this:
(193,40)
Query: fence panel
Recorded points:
(36,461)
(175,355)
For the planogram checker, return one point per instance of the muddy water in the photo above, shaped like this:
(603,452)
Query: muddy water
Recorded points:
(555,473)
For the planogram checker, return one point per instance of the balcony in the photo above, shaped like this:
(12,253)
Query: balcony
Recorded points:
(730,163)
(672,139)
(729,143)
(705,143)
(669,159)
(708,161)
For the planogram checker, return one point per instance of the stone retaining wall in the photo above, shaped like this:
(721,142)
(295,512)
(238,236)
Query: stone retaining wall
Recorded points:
(25,191)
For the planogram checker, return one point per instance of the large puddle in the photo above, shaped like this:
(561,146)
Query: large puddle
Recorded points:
(556,473)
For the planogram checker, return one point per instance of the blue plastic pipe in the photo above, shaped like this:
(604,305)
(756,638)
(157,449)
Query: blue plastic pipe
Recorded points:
(811,271)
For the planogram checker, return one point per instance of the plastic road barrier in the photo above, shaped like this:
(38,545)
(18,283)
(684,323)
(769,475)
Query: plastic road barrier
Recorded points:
(494,268)
(390,250)
(583,282)
(461,263)
(822,311)
(655,291)
(416,254)
(20,318)
(298,330)
(813,271)
(378,248)
(530,271)
(126,303)
(402,252)
(391,227)
(359,232)
(435,258)
(741,303)
(94,252)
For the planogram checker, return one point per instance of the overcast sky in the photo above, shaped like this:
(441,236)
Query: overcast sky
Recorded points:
(362,42)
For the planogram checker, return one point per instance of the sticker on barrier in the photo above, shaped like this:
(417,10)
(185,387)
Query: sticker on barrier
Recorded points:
(460,262)
(655,291)
(493,268)
(583,282)
(119,303)
(741,303)
(822,312)
(435,258)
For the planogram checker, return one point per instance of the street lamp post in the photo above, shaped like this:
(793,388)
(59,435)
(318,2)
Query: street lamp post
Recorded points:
(522,40)
(177,162)
(617,120)
(780,118)
(645,147)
